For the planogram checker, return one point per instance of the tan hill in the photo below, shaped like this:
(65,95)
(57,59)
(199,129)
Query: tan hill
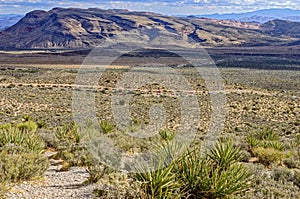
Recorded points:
(282,28)
(86,28)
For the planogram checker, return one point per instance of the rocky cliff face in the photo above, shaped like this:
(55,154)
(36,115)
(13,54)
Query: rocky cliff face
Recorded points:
(87,28)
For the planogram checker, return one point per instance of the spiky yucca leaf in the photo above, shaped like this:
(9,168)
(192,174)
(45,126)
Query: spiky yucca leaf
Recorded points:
(160,183)
(217,175)
(273,144)
(266,134)
(252,141)
(106,126)
(225,155)
(13,138)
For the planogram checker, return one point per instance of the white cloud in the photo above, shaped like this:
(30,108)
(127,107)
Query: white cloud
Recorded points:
(201,1)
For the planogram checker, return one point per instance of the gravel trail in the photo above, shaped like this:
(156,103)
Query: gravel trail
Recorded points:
(62,185)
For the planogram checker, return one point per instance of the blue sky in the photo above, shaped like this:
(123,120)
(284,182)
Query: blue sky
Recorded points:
(169,7)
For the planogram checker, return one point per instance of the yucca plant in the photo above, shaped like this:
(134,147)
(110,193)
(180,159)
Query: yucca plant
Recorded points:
(28,126)
(231,181)
(190,170)
(160,183)
(265,138)
(169,151)
(252,141)
(106,126)
(21,155)
(273,144)
(225,155)
(266,134)
(216,175)
(15,138)
(167,135)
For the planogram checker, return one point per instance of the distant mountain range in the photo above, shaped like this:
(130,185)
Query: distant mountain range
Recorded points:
(7,20)
(260,16)
(87,28)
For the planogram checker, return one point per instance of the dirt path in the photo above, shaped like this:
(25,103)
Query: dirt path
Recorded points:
(227,91)
(63,185)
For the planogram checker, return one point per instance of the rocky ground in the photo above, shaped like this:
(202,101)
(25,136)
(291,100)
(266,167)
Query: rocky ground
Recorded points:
(56,184)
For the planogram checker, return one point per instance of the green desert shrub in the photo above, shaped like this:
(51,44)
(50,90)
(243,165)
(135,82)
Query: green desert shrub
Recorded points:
(296,178)
(96,172)
(5,126)
(24,166)
(21,155)
(281,174)
(297,140)
(292,162)
(75,156)
(28,126)
(3,190)
(268,156)
(70,148)
(265,138)
(119,185)
(265,187)
(68,134)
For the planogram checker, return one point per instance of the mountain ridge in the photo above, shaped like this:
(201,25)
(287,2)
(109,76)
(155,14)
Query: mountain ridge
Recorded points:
(260,16)
(87,28)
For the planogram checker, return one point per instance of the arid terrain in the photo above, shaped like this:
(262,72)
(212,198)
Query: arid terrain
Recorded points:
(221,121)
(262,92)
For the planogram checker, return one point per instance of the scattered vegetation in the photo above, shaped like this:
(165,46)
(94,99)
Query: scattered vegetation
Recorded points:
(21,153)
(263,123)
(266,146)
(69,146)
(215,175)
